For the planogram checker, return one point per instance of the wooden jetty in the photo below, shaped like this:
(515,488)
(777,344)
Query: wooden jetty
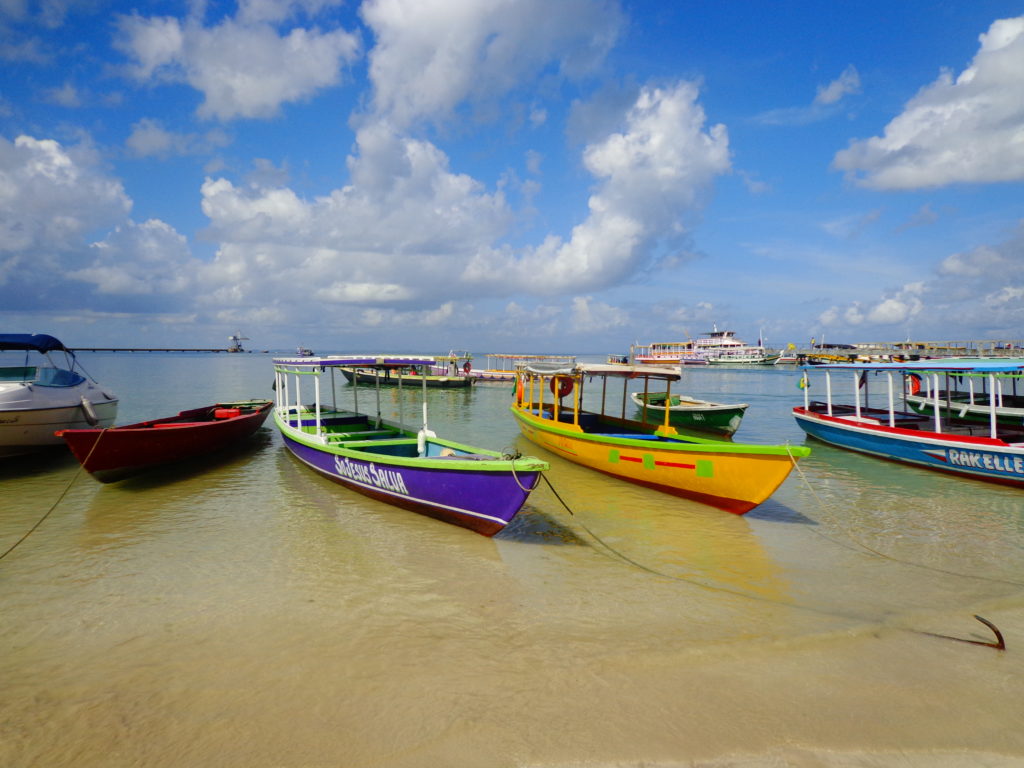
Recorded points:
(148,349)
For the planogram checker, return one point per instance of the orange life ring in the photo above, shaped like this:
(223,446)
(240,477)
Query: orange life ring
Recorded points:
(915,383)
(560,386)
(466,368)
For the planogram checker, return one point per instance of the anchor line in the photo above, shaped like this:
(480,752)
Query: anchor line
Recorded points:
(59,498)
(1000,643)
(883,555)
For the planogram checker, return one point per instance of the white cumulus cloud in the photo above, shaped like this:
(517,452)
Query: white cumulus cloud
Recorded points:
(964,129)
(243,68)
(433,55)
(652,173)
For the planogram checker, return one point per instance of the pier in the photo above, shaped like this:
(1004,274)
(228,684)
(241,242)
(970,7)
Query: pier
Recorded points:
(150,349)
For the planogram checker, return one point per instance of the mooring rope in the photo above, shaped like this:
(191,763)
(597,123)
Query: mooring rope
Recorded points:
(1000,643)
(823,508)
(511,455)
(60,498)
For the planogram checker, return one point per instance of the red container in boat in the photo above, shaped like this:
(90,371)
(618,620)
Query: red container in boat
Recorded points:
(227,413)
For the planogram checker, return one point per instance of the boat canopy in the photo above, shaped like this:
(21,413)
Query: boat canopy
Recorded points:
(604,369)
(40,342)
(948,365)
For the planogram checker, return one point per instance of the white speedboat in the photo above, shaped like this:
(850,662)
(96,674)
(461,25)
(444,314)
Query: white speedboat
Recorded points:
(39,397)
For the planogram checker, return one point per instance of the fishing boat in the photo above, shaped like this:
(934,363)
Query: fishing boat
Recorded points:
(451,371)
(888,427)
(966,397)
(689,412)
(472,487)
(115,453)
(43,389)
(501,367)
(731,476)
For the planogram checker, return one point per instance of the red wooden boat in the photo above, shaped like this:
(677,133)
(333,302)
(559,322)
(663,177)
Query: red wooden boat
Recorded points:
(115,452)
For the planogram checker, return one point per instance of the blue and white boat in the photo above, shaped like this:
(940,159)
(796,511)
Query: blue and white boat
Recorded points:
(40,395)
(878,420)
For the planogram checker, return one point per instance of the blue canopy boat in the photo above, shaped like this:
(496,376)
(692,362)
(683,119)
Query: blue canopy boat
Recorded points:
(471,487)
(40,395)
(891,428)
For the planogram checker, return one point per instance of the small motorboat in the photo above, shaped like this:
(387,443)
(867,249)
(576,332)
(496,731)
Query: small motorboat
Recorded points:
(116,452)
(688,412)
(40,395)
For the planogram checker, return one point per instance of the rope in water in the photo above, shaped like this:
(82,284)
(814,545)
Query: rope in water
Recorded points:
(823,508)
(1000,644)
(59,498)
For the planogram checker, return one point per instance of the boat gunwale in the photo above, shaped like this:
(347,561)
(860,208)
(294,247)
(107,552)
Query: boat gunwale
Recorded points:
(693,404)
(496,461)
(673,443)
(915,435)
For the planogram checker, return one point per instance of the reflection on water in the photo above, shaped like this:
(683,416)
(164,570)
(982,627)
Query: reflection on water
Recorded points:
(245,611)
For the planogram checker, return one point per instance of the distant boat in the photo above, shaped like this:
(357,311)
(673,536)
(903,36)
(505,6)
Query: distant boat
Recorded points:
(732,476)
(304,352)
(688,412)
(39,397)
(116,452)
(712,348)
(502,367)
(471,487)
(451,371)
(888,429)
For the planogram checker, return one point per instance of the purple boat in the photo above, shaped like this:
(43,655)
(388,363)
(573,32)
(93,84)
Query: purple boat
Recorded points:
(470,487)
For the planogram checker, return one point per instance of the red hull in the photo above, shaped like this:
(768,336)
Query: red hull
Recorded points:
(116,452)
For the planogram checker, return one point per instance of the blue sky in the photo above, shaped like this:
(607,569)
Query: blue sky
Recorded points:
(510,176)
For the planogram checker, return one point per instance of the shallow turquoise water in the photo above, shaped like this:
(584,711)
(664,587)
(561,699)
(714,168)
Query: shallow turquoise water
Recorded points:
(247,612)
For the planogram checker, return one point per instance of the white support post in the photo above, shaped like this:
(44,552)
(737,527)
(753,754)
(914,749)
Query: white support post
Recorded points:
(892,406)
(316,395)
(992,419)
(935,401)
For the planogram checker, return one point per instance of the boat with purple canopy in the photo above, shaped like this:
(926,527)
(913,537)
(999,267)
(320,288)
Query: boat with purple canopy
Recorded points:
(471,487)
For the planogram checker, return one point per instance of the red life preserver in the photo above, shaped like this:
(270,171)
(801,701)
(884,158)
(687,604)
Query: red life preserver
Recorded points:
(466,368)
(560,386)
(915,383)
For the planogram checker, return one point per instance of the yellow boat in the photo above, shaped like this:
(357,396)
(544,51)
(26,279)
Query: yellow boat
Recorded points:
(732,476)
